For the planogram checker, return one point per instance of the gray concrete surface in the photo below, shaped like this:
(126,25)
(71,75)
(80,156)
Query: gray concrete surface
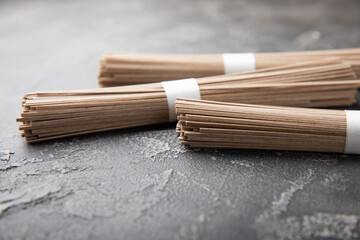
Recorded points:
(140,183)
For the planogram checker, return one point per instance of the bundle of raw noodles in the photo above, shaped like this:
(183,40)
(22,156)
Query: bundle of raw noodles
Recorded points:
(118,69)
(228,125)
(50,115)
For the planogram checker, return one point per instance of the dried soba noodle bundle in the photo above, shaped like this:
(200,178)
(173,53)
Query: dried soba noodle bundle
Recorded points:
(50,115)
(207,124)
(123,69)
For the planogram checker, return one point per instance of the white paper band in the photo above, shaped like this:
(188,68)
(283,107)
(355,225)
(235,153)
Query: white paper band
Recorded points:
(352,132)
(239,62)
(184,88)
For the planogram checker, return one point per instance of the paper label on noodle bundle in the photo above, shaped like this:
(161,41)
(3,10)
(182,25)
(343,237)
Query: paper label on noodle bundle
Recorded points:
(352,132)
(183,88)
(239,62)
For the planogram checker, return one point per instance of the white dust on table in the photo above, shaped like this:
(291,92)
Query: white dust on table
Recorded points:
(88,204)
(280,204)
(33,173)
(268,220)
(36,160)
(9,166)
(148,191)
(335,180)
(315,226)
(27,196)
(200,185)
(135,197)
(327,225)
(212,195)
(190,228)
(20,191)
(271,224)
(157,145)
(244,163)
(5,155)
(152,148)
(62,159)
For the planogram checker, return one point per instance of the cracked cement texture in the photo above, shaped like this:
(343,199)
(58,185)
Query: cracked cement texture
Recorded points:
(140,183)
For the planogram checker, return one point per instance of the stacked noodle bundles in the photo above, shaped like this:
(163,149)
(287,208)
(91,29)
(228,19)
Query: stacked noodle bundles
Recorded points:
(122,69)
(50,115)
(228,125)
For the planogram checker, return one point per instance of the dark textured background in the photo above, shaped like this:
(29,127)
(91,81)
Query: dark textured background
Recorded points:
(140,183)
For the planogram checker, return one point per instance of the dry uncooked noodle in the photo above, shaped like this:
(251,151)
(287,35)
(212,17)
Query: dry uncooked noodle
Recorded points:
(50,115)
(207,124)
(123,69)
